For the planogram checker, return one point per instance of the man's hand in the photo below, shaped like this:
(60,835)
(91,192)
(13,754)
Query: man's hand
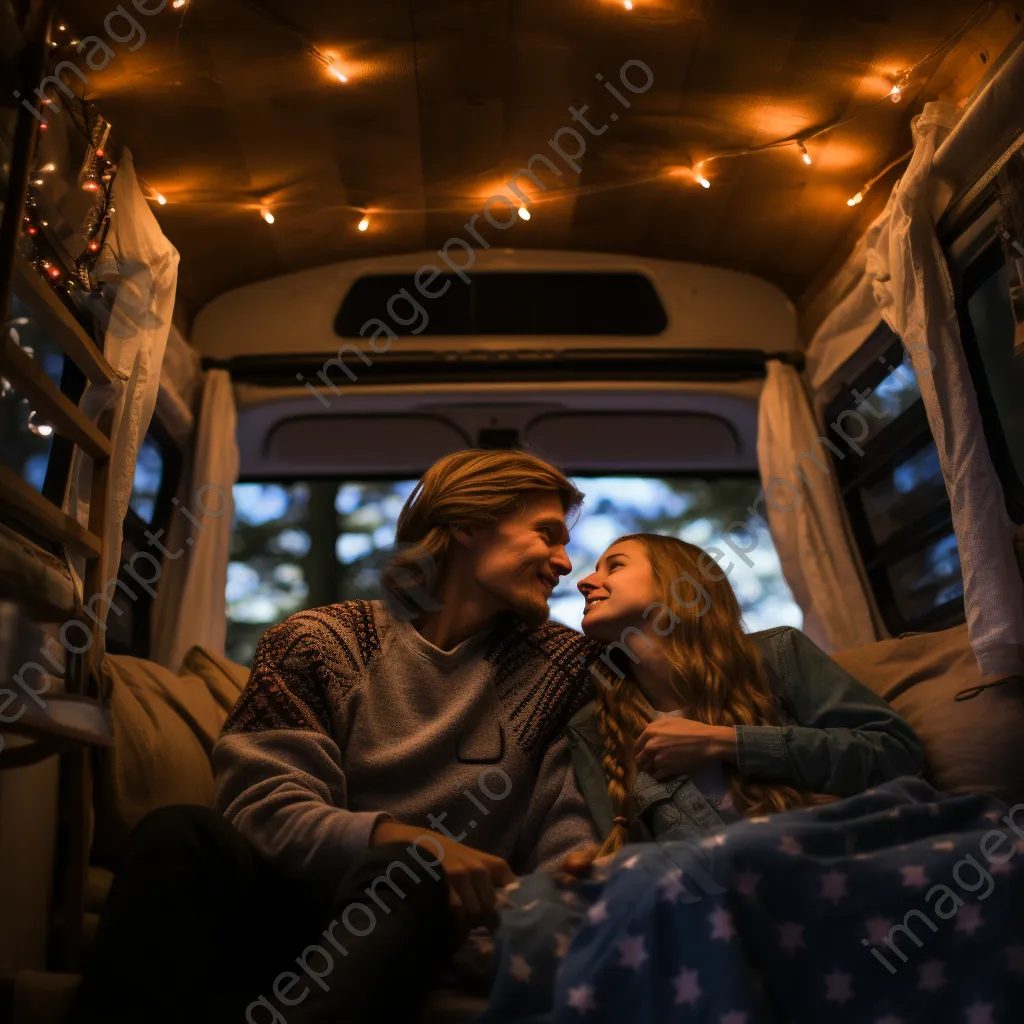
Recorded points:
(472,875)
(674,746)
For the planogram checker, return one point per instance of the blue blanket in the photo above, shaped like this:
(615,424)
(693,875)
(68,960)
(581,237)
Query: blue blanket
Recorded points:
(896,906)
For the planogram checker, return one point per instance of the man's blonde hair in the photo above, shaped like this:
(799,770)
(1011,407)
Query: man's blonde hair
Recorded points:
(472,486)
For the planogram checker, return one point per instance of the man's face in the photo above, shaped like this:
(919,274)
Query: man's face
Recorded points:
(518,560)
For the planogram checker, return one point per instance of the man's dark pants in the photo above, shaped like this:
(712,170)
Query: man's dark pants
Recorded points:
(199,927)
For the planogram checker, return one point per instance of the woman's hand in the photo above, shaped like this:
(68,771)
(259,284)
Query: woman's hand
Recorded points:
(577,864)
(675,746)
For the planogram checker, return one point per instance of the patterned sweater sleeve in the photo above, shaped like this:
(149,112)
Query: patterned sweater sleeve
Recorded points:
(278,768)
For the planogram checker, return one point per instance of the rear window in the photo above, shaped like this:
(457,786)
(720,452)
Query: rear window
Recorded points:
(506,303)
(296,544)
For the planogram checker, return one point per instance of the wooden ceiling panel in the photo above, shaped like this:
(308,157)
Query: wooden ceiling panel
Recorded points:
(226,108)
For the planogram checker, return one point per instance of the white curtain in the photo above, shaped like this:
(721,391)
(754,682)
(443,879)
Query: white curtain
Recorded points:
(917,301)
(807,523)
(180,380)
(190,604)
(904,270)
(141,266)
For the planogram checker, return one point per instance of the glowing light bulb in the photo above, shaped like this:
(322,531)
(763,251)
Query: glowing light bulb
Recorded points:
(53,271)
(62,28)
(94,246)
(90,185)
(363,224)
(37,182)
(896,93)
(160,199)
(628,4)
(48,168)
(333,65)
(178,4)
(524,213)
(701,180)
(855,200)
(267,215)
(38,427)
(806,155)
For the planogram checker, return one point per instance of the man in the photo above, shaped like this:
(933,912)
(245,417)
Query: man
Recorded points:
(388,766)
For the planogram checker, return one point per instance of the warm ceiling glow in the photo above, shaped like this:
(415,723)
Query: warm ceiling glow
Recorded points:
(267,215)
(363,224)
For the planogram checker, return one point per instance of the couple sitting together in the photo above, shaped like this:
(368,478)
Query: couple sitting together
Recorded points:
(394,767)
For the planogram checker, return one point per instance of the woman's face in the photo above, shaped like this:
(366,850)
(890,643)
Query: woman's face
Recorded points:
(618,591)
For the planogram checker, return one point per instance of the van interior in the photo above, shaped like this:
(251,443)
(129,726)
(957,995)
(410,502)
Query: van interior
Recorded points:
(752,274)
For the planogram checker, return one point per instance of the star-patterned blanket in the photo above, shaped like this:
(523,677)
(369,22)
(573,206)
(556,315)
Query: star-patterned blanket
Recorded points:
(899,905)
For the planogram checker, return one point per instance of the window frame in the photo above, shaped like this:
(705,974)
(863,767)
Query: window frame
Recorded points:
(969,270)
(62,448)
(897,441)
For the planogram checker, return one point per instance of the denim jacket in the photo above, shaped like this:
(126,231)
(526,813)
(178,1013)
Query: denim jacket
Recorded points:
(837,737)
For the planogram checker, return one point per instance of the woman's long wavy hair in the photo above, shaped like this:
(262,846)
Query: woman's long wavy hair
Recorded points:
(717,672)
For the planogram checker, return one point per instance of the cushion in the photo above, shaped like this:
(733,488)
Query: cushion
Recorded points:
(165,726)
(972,745)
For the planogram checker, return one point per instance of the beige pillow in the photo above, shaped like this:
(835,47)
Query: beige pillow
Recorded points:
(972,745)
(165,726)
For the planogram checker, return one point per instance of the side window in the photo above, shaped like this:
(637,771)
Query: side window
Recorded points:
(157,467)
(28,443)
(896,496)
(987,329)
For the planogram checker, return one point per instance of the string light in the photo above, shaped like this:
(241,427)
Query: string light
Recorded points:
(524,213)
(806,155)
(48,168)
(38,426)
(868,185)
(37,182)
(159,197)
(363,224)
(178,4)
(628,4)
(62,28)
(266,215)
(699,178)
(94,246)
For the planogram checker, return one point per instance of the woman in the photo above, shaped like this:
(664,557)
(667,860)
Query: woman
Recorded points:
(697,723)
(736,914)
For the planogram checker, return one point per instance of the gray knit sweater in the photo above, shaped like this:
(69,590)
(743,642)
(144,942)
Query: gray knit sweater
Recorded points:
(350,715)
